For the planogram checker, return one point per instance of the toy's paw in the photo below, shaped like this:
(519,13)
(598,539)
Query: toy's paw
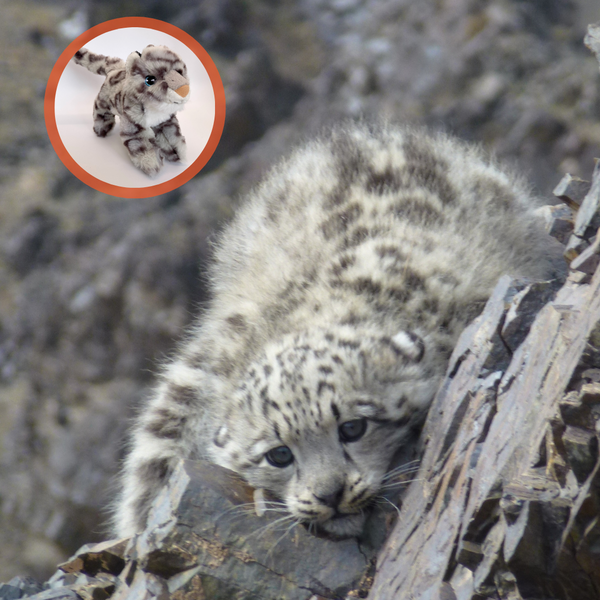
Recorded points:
(175,153)
(150,162)
(145,156)
(182,150)
(102,128)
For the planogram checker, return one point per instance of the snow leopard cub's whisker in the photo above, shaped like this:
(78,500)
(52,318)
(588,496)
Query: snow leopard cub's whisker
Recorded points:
(237,510)
(275,526)
(399,484)
(382,500)
(286,532)
(398,477)
(411,467)
(248,508)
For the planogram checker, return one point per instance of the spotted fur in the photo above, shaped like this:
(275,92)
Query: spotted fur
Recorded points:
(339,291)
(145,92)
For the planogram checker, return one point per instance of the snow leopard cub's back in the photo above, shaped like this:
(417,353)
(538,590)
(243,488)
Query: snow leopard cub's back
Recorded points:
(339,291)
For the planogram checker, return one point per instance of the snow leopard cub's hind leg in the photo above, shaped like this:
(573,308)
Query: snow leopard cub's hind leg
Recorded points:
(169,140)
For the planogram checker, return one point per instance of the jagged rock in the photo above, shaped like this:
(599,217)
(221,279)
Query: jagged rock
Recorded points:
(106,557)
(19,587)
(491,501)
(559,222)
(572,190)
(592,39)
(506,502)
(574,247)
(587,220)
(95,290)
(203,532)
(63,593)
(205,540)
(587,262)
(524,307)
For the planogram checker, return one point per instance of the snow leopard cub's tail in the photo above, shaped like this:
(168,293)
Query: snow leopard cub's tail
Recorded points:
(97,63)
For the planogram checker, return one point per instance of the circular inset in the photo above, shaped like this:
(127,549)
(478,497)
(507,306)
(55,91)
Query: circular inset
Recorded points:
(104,163)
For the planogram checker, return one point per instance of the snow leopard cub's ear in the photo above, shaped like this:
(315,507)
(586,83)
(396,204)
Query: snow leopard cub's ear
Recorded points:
(221,437)
(388,357)
(389,354)
(395,373)
(409,344)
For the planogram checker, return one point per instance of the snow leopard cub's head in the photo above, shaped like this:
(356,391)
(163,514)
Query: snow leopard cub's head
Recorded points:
(317,420)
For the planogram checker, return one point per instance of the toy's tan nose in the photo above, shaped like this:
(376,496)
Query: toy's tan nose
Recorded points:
(178,83)
(183,91)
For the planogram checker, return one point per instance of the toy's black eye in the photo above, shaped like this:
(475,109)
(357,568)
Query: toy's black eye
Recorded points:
(280,457)
(150,80)
(180,71)
(351,431)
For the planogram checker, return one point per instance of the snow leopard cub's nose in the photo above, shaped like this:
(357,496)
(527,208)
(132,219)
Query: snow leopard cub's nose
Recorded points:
(332,499)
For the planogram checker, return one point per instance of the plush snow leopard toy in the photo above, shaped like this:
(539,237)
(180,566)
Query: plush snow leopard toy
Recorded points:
(145,91)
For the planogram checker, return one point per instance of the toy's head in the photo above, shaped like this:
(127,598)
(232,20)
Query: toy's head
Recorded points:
(159,75)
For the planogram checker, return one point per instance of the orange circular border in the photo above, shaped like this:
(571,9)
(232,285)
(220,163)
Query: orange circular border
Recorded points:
(82,174)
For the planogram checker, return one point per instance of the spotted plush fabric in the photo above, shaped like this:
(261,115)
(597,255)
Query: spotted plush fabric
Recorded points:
(145,92)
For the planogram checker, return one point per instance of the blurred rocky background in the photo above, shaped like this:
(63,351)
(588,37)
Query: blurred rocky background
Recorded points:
(95,290)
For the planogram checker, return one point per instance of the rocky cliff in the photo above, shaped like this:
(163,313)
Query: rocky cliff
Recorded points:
(95,290)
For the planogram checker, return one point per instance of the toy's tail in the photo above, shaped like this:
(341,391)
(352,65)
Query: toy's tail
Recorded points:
(97,63)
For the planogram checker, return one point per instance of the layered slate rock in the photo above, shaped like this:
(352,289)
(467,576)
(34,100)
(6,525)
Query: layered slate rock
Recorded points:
(203,533)
(205,540)
(505,504)
(507,500)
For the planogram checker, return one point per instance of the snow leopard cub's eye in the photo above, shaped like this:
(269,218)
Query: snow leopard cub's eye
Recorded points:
(351,431)
(150,80)
(280,457)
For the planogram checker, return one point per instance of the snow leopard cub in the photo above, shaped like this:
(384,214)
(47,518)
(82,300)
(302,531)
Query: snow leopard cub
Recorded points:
(339,291)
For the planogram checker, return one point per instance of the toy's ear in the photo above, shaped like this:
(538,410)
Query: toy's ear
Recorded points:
(132,60)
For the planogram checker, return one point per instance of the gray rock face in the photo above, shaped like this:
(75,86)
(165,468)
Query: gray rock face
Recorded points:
(94,291)
(19,587)
(510,471)
(204,540)
(509,475)
(202,528)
